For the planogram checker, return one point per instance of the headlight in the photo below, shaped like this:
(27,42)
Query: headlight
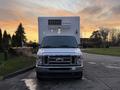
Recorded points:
(79,60)
(39,60)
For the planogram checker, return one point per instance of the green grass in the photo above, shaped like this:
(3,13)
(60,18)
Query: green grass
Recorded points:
(15,63)
(104,51)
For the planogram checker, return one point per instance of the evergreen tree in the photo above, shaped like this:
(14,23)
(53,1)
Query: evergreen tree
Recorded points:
(9,39)
(14,41)
(20,35)
(5,40)
(0,40)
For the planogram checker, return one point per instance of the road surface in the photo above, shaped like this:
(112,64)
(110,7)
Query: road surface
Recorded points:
(100,73)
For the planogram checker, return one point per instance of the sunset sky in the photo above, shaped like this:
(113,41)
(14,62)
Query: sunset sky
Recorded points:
(93,14)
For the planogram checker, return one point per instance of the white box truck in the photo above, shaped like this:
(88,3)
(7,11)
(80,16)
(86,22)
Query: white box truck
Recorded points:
(59,55)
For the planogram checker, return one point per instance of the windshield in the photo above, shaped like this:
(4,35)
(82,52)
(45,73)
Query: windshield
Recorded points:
(59,42)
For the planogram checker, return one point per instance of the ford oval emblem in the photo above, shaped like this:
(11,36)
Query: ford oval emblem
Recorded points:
(59,59)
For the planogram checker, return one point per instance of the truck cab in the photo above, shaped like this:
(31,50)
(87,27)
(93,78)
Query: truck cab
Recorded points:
(59,55)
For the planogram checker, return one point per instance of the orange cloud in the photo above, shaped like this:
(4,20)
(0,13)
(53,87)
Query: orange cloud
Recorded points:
(30,23)
(92,15)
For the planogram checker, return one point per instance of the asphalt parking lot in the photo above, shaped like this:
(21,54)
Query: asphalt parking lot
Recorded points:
(100,73)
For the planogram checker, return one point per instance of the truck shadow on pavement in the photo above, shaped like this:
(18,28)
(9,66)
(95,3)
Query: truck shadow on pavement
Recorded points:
(59,84)
(56,84)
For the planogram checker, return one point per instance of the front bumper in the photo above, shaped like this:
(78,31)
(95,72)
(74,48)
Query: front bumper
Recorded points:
(59,71)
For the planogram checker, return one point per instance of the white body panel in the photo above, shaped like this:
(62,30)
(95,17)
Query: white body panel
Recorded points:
(59,51)
(70,26)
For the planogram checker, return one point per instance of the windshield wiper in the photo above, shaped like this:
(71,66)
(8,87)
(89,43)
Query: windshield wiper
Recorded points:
(65,46)
(47,47)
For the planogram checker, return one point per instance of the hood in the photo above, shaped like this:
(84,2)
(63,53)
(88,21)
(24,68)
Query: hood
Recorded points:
(59,51)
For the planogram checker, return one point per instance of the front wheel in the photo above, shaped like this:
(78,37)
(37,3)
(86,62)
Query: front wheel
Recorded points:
(38,76)
(80,76)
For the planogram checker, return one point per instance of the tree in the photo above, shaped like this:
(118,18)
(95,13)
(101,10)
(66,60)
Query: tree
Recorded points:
(96,36)
(20,35)
(118,39)
(9,39)
(104,36)
(115,37)
(5,40)
(14,41)
(0,40)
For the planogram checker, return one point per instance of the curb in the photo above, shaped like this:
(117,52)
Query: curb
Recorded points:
(18,72)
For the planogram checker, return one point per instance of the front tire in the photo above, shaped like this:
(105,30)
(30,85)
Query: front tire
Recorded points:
(80,76)
(38,76)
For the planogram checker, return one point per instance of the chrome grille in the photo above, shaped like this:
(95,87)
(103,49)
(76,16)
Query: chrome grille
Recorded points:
(59,60)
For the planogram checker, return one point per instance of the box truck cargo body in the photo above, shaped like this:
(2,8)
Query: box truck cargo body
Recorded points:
(59,53)
(59,26)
